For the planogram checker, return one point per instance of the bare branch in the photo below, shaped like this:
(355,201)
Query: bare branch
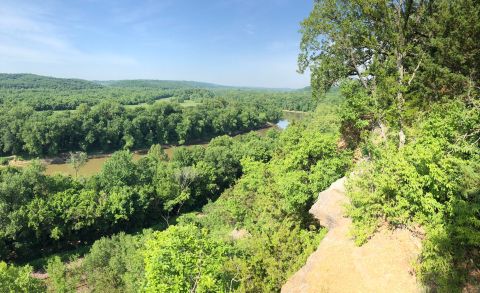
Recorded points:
(354,63)
(415,72)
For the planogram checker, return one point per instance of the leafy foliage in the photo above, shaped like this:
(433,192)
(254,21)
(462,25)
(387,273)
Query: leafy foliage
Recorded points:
(404,56)
(116,264)
(111,126)
(43,213)
(415,70)
(250,238)
(184,259)
(18,279)
(58,277)
(270,205)
(433,182)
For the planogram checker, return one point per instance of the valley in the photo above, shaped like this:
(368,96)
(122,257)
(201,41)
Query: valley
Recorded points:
(240,146)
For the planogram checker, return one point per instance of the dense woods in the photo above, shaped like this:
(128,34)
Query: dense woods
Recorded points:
(42,213)
(47,93)
(111,126)
(300,100)
(58,115)
(266,207)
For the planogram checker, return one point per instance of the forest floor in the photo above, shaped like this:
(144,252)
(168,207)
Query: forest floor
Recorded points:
(383,264)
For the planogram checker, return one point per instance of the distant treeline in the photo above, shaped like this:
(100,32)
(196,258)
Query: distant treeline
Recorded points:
(160,84)
(44,99)
(111,126)
(32,81)
(47,93)
(292,100)
(46,116)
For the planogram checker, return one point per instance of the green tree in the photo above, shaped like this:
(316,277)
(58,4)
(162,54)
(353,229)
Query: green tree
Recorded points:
(119,170)
(18,279)
(77,161)
(59,280)
(185,259)
(116,264)
(395,50)
(433,181)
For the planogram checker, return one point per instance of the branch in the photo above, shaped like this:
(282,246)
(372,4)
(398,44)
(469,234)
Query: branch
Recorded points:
(166,219)
(408,11)
(415,72)
(354,62)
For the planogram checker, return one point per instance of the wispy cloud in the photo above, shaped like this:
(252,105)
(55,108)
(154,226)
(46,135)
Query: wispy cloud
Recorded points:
(29,33)
(244,42)
(136,13)
(249,29)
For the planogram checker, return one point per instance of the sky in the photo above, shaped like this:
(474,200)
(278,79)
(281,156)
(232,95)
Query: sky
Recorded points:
(229,42)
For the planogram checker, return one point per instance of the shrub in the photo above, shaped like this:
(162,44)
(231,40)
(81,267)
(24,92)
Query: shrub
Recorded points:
(433,181)
(18,279)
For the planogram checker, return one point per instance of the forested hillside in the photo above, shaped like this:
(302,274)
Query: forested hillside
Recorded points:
(43,216)
(32,81)
(260,189)
(47,93)
(46,116)
(162,84)
(412,113)
(43,93)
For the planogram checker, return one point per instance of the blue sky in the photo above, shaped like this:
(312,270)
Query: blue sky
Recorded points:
(232,42)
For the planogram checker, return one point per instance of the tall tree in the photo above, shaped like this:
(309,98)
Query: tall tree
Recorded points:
(387,46)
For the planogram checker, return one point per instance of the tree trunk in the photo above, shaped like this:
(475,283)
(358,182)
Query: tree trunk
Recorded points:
(401,134)
(383,130)
(401,138)
(400,99)
(401,22)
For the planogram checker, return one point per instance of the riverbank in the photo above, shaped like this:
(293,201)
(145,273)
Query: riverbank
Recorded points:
(59,164)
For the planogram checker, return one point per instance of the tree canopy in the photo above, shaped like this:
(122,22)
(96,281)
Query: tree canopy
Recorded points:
(401,53)
(408,70)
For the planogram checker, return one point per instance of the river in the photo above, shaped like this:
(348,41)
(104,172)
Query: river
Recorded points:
(94,165)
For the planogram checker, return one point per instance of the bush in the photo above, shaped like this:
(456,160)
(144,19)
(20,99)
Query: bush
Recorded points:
(115,264)
(433,181)
(18,279)
(185,259)
(58,277)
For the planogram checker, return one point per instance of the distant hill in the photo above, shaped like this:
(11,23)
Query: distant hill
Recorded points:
(181,84)
(33,81)
(162,84)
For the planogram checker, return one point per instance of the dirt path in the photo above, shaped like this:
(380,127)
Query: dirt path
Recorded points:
(381,265)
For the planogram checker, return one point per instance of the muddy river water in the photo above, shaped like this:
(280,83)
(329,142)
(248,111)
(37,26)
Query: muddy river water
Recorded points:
(94,165)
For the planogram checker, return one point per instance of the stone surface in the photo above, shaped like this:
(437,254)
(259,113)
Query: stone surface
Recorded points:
(384,264)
